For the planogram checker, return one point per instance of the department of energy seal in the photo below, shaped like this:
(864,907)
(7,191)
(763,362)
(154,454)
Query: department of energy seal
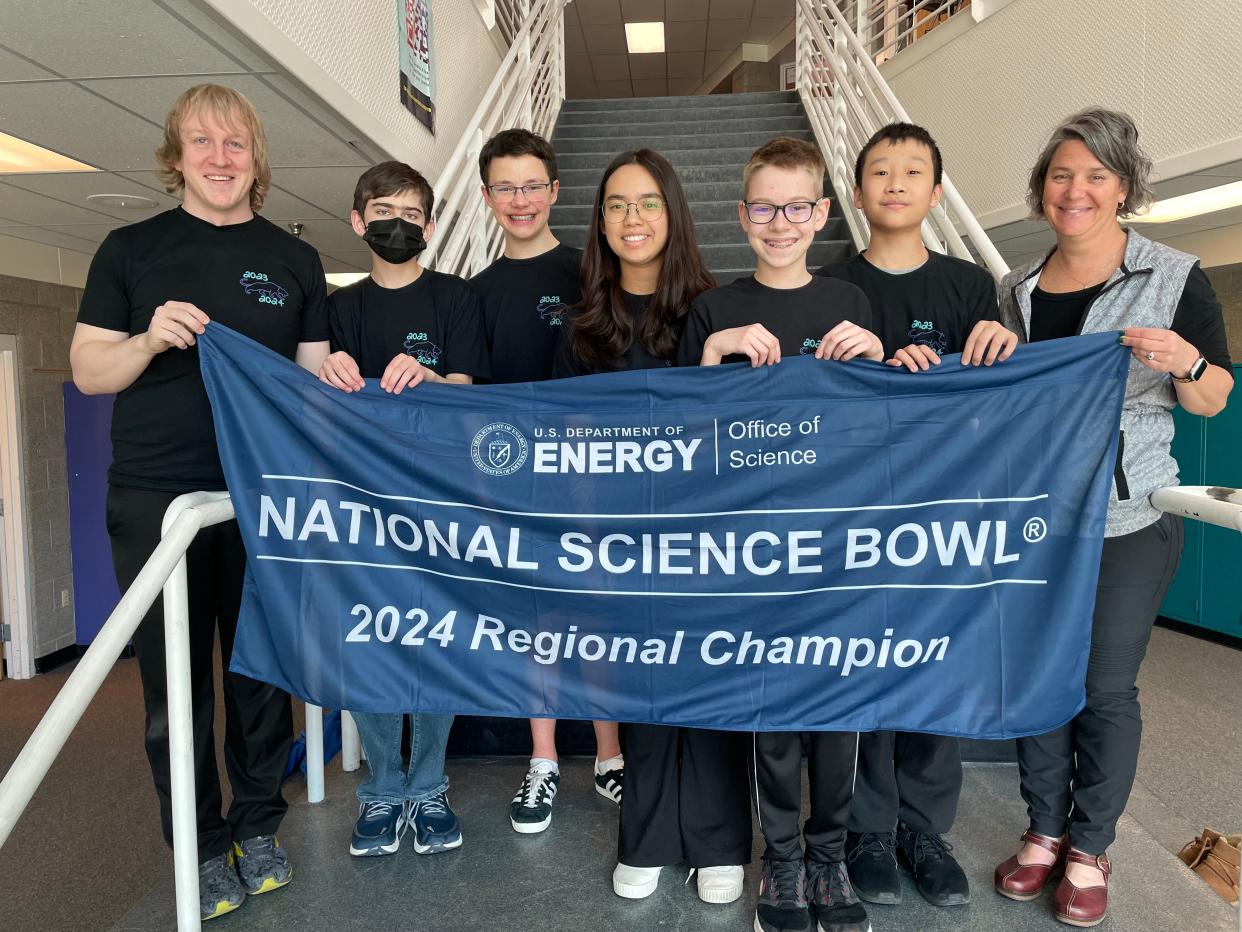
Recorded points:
(499,449)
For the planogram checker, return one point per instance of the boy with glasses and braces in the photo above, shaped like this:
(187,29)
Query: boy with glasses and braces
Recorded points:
(779,311)
(526,294)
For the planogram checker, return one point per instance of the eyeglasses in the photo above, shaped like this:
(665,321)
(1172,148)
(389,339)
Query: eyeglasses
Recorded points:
(649,208)
(794,211)
(503,193)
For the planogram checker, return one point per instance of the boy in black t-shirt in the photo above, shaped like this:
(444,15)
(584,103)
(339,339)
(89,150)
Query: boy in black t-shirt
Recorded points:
(924,305)
(153,287)
(783,310)
(527,294)
(403,324)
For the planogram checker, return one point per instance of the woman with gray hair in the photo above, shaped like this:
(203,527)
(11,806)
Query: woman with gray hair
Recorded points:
(1102,276)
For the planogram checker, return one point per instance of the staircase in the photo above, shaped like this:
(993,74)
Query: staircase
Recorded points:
(708,139)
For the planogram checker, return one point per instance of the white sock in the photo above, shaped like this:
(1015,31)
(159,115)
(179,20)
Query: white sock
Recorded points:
(613,763)
(544,765)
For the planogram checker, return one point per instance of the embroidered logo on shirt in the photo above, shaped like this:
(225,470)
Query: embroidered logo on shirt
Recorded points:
(924,333)
(808,347)
(268,291)
(552,310)
(423,350)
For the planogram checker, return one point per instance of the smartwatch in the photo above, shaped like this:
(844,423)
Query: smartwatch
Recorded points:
(1195,373)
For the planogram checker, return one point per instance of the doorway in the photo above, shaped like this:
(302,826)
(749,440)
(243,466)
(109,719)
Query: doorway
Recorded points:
(17,646)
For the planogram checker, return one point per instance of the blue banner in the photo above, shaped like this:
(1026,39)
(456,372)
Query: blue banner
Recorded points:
(807,546)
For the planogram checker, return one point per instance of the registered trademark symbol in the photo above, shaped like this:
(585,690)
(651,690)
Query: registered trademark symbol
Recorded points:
(1035,530)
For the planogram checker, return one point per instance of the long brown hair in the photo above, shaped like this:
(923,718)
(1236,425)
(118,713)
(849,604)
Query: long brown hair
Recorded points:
(602,332)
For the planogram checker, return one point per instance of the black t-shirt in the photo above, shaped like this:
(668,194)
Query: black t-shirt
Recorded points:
(1197,320)
(565,364)
(525,302)
(252,277)
(436,319)
(935,305)
(797,317)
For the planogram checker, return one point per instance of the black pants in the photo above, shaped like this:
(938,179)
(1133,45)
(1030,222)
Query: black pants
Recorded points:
(258,719)
(686,799)
(831,765)
(1078,777)
(909,778)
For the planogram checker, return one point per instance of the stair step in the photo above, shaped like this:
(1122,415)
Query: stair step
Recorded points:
(588,175)
(706,139)
(727,161)
(691,123)
(690,100)
(583,118)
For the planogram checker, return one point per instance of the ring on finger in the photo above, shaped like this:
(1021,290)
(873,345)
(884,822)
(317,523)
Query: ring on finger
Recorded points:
(1151,356)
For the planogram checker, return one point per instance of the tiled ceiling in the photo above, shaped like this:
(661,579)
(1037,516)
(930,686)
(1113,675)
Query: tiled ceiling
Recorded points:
(699,35)
(95,85)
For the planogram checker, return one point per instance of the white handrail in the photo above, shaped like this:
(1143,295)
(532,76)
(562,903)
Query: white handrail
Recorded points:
(846,100)
(166,569)
(526,92)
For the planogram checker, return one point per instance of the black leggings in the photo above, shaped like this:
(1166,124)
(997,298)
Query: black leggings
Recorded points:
(1078,777)
(258,719)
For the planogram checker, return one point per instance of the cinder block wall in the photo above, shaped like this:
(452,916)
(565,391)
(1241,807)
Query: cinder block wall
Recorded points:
(42,317)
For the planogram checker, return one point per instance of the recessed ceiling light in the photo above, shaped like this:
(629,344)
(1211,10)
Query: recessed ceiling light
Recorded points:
(17,156)
(341,279)
(128,201)
(1221,197)
(643,38)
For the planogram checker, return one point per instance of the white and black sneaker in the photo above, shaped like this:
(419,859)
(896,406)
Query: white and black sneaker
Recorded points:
(531,809)
(610,778)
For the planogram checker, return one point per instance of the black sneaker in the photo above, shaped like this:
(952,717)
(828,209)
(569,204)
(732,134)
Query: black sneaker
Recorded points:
(782,898)
(609,783)
(872,860)
(937,874)
(531,809)
(833,901)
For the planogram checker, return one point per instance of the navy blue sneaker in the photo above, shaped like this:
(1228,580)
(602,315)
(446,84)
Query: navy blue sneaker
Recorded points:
(435,826)
(378,829)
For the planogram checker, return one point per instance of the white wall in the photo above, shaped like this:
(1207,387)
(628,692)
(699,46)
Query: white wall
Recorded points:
(345,51)
(993,93)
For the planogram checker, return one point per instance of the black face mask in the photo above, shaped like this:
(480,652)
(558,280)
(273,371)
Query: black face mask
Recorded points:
(395,240)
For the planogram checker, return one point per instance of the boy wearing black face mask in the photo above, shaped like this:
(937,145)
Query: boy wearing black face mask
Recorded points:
(402,325)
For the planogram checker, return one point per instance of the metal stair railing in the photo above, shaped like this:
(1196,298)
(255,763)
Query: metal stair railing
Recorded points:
(846,100)
(526,92)
(166,569)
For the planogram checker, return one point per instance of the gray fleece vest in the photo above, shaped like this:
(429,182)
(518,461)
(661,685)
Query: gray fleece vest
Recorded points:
(1144,292)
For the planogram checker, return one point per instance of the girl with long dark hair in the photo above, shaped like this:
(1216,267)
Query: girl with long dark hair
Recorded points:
(686,797)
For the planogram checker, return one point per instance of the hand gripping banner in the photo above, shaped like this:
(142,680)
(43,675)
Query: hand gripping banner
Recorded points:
(807,546)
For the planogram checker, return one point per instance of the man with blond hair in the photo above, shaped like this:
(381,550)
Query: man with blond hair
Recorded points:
(153,288)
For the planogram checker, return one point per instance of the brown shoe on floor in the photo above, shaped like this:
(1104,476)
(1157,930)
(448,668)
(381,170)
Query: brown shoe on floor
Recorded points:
(1215,858)
(1082,906)
(1024,882)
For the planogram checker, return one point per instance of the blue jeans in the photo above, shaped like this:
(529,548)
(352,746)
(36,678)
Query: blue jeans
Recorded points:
(387,780)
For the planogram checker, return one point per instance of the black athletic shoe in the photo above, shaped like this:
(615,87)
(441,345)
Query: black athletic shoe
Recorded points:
(872,860)
(937,874)
(782,898)
(833,901)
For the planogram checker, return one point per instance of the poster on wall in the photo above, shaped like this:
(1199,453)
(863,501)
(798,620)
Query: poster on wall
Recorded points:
(418,84)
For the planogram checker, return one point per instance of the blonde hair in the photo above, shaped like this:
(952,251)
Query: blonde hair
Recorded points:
(231,109)
(786,152)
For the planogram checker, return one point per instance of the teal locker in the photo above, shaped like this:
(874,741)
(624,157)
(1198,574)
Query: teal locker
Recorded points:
(1207,590)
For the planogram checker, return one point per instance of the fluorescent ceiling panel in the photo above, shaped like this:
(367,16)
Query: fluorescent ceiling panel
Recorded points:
(644,37)
(1207,201)
(20,157)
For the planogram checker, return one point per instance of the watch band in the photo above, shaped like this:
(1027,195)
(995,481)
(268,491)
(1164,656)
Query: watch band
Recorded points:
(1195,373)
